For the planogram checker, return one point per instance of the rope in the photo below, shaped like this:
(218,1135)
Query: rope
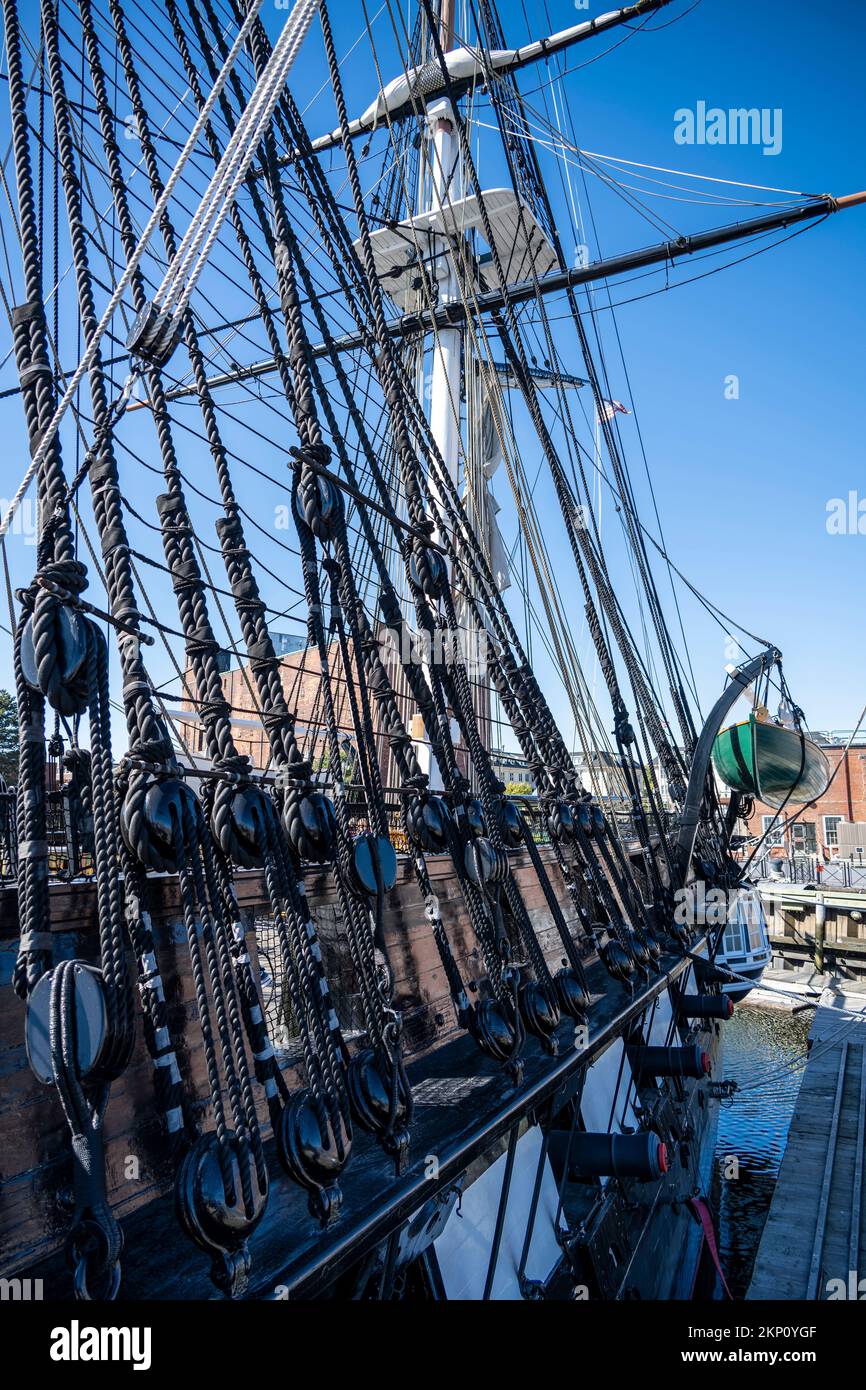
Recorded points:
(95,337)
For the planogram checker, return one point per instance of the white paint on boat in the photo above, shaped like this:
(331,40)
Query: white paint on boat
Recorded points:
(463,1249)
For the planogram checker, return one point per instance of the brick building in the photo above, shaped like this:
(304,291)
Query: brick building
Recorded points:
(300,670)
(302,685)
(817,831)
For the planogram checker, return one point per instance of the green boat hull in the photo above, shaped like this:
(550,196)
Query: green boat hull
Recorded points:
(776,765)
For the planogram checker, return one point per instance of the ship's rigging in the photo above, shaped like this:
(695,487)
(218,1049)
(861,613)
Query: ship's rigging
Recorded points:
(393,535)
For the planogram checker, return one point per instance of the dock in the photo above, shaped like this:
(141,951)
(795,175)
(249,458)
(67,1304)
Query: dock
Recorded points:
(814,1240)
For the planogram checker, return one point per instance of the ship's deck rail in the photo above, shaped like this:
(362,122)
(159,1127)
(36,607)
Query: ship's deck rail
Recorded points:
(464,1104)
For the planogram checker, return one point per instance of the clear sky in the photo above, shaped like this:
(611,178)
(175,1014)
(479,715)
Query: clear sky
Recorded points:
(743,484)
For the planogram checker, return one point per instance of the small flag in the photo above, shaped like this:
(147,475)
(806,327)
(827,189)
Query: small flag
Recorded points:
(611,408)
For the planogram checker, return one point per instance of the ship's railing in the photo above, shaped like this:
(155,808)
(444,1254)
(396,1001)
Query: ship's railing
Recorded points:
(68,832)
(809,869)
(8,835)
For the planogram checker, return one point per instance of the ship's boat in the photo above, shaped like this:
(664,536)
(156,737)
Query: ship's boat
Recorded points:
(777,765)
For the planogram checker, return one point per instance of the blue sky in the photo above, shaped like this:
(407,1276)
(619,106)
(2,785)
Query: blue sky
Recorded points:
(742,485)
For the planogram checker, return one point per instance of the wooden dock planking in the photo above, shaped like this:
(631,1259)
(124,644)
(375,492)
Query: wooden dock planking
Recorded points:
(816,1218)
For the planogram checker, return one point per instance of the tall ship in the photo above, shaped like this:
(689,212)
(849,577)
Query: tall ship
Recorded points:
(312,403)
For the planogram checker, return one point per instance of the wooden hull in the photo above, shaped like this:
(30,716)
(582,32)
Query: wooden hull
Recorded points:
(464,1107)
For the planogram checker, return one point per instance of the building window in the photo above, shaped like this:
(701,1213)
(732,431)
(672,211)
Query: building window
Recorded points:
(803,837)
(831,833)
(775,837)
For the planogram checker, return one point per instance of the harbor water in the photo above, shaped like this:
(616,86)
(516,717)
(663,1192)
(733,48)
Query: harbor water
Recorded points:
(762,1050)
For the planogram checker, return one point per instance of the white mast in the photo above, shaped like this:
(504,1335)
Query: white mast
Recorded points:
(445,179)
(440,174)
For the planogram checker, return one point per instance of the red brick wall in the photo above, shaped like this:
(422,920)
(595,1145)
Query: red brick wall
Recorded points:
(845,797)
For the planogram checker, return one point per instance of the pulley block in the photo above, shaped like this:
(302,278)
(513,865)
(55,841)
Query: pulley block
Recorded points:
(481,860)
(640,952)
(374,864)
(650,941)
(560,822)
(584,818)
(476,822)
(493,1030)
(250,808)
(318,503)
(540,1013)
(56,666)
(429,820)
(380,1099)
(594,1154)
(500,865)
(217,1223)
(310,824)
(154,335)
(314,1154)
(669,1061)
(599,824)
(149,823)
(571,993)
(617,961)
(705,1006)
(511,823)
(428,570)
(95,1054)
